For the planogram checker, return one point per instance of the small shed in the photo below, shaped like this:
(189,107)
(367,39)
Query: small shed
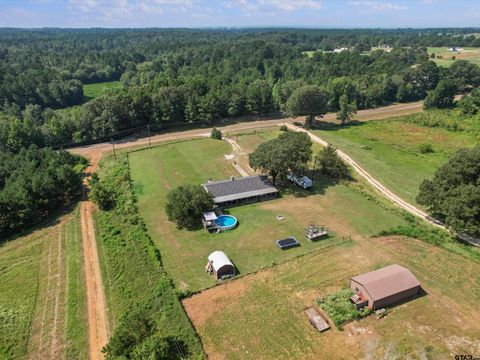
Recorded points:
(316,319)
(220,265)
(384,287)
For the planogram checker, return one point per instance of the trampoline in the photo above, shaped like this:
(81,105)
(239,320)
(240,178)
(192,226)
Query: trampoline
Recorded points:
(287,243)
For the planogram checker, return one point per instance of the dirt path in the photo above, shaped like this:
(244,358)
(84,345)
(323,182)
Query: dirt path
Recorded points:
(362,115)
(370,179)
(97,315)
(237,153)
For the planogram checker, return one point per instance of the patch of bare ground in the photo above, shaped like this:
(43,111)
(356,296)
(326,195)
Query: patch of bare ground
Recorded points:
(212,301)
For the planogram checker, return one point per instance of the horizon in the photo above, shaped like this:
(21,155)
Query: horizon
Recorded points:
(214,14)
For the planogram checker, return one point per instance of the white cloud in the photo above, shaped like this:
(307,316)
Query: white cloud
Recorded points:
(116,10)
(378,5)
(269,6)
(291,5)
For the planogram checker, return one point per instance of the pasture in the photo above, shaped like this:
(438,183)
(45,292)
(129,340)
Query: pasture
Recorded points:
(251,246)
(390,150)
(42,299)
(443,57)
(260,316)
(91,91)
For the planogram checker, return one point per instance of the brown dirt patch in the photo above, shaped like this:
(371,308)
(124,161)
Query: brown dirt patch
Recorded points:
(203,306)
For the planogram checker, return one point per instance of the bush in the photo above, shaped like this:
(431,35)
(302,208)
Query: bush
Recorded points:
(216,134)
(331,165)
(340,309)
(425,148)
(186,204)
(283,128)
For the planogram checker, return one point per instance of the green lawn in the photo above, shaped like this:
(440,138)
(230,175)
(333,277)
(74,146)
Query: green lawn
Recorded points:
(389,150)
(251,246)
(91,91)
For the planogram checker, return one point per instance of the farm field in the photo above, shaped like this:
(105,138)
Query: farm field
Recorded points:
(251,246)
(390,150)
(42,299)
(270,324)
(91,91)
(469,53)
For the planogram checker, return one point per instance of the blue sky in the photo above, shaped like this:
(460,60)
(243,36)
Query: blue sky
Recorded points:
(239,13)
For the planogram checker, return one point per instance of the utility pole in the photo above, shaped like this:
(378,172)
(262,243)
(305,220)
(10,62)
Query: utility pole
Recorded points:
(114,153)
(149,142)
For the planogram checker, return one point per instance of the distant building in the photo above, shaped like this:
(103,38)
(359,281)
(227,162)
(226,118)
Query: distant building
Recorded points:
(220,265)
(384,287)
(238,191)
(339,50)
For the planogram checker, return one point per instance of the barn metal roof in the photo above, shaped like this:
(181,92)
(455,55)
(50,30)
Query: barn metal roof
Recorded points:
(387,281)
(239,188)
(219,259)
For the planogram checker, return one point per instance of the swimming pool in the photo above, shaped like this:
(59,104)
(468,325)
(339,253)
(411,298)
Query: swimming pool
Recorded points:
(226,222)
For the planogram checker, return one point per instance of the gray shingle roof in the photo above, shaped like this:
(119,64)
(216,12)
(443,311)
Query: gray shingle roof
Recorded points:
(239,188)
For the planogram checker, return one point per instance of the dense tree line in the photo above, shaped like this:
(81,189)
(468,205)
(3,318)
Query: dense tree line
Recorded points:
(33,183)
(188,76)
(204,97)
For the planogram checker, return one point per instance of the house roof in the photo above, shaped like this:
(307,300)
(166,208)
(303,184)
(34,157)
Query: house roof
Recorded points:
(239,188)
(387,281)
(219,259)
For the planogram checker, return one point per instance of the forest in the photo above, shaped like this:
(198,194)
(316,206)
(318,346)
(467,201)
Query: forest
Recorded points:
(34,183)
(197,76)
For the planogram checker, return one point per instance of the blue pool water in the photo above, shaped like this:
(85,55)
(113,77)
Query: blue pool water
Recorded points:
(226,222)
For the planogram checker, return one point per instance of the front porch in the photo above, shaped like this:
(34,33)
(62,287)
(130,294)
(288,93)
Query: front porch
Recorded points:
(359,300)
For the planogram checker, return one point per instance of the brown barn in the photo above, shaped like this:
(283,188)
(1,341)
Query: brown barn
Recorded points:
(384,287)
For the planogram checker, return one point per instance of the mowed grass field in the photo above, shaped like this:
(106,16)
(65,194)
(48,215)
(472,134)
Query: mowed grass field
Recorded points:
(91,91)
(346,212)
(390,151)
(42,298)
(469,53)
(260,316)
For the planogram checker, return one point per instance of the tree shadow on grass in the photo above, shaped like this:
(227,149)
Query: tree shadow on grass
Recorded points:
(330,126)
(320,185)
(50,220)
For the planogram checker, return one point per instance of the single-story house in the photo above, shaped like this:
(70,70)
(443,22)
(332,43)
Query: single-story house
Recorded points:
(220,265)
(384,287)
(244,190)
